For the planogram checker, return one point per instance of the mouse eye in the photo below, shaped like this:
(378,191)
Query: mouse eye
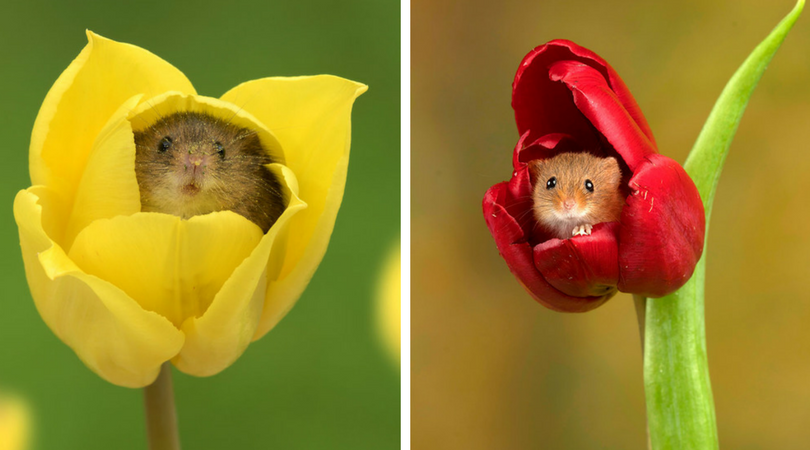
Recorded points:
(165,144)
(551,183)
(220,149)
(589,185)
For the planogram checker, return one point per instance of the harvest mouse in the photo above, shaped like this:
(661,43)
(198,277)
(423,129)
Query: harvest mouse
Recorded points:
(575,191)
(191,163)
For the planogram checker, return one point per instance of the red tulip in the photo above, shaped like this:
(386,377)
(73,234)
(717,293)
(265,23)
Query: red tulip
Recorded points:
(568,99)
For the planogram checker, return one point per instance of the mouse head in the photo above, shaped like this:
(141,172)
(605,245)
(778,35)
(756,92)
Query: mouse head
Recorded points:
(189,162)
(572,186)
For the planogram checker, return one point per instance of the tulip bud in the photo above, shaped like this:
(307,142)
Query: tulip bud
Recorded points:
(568,99)
(129,286)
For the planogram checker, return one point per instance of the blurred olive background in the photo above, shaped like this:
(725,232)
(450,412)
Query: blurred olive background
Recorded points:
(492,368)
(321,379)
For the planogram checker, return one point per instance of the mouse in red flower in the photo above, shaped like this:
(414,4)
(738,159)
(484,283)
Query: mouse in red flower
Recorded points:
(568,100)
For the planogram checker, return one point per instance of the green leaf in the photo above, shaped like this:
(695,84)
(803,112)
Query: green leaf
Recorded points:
(680,408)
(705,161)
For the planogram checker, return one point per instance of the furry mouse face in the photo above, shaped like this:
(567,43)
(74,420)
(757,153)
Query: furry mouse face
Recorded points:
(574,191)
(192,163)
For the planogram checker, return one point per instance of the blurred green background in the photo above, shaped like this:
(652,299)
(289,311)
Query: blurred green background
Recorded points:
(321,378)
(492,368)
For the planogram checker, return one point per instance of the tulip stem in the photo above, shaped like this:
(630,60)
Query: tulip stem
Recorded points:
(680,406)
(161,415)
(641,315)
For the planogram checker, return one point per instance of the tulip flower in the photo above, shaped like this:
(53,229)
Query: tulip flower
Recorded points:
(388,303)
(129,290)
(568,99)
(15,423)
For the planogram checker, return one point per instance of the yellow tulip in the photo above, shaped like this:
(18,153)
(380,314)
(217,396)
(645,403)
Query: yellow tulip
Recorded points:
(129,290)
(388,303)
(14,423)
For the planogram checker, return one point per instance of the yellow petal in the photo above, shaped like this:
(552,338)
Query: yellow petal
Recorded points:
(108,186)
(311,117)
(108,330)
(215,340)
(104,75)
(168,265)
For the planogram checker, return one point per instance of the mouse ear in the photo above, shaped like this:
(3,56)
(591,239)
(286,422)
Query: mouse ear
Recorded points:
(535,167)
(611,166)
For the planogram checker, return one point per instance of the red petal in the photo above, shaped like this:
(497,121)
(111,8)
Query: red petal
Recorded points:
(542,107)
(583,265)
(663,224)
(544,147)
(518,159)
(594,98)
(517,252)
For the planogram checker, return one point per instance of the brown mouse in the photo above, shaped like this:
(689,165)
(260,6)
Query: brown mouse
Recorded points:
(575,191)
(191,163)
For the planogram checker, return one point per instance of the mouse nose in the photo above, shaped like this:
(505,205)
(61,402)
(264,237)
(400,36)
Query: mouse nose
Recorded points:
(194,160)
(569,203)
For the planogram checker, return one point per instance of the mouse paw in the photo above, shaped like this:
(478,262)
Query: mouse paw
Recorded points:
(582,230)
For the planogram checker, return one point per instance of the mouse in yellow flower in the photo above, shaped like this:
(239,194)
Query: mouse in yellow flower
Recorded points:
(132,268)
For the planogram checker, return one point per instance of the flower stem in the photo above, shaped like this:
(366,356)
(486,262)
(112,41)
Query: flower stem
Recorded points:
(641,315)
(161,416)
(680,407)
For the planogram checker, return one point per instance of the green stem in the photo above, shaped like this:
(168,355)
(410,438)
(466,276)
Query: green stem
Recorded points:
(680,408)
(161,418)
(640,303)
